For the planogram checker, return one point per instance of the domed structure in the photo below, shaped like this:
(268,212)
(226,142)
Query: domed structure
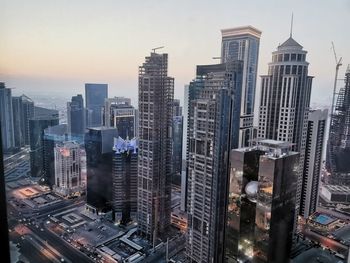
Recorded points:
(251,190)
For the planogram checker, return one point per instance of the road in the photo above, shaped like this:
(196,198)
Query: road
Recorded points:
(325,241)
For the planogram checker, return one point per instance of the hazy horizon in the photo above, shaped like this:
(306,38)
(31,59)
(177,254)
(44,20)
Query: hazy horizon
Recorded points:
(54,48)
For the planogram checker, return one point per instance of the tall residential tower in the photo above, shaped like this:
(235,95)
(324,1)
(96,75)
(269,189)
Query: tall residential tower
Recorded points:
(156,92)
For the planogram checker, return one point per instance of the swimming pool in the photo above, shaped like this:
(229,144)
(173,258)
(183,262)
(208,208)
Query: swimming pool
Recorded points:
(324,219)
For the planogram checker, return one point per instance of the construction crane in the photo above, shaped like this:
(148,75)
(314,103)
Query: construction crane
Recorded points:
(338,63)
(154,49)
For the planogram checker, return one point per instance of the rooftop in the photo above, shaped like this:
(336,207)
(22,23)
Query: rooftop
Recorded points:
(242,30)
(290,43)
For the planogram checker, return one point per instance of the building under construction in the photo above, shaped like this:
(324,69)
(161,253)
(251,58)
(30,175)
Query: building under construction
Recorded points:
(338,149)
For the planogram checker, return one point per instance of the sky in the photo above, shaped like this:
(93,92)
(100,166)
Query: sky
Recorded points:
(52,48)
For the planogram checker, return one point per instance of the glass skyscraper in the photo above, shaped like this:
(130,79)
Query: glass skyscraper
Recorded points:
(76,117)
(6,118)
(95,95)
(242,43)
(262,203)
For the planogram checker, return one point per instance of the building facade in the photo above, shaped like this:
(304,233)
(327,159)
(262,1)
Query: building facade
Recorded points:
(285,100)
(213,130)
(242,43)
(17,112)
(28,112)
(68,181)
(37,125)
(156,92)
(316,131)
(119,113)
(76,117)
(125,180)
(6,118)
(53,135)
(95,95)
(261,203)
(338,147)
(99,162)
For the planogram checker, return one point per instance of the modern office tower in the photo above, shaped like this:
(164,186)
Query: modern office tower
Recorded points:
(67,169)
(338,148)
(242,43)
(213,130)
(184,150)
(119,113)
(44,112)
(285,100)
(28,112)
(4,231)
(156,93)
(76,117)
(99,161)
(6,118)
(177,144)
(261,203)
(52,135)
(37,125)
(17,113)
(316,130)
(124,180)
(95,95)
(177,109)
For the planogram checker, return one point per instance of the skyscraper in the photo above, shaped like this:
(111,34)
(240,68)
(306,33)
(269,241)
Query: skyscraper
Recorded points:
(95,95)
(285,100)
(156,92)
(177,137)
(6,118)
(119,113)
(76,117)
(37,125)
(28,112)
(262,201)
(18,122)
(316,130)
(338,148)
(213,130)
(52,136)
(68,169)
(125,180)
(242,43)
(99,161)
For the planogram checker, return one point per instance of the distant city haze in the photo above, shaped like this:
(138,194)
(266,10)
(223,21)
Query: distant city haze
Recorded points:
(53,47)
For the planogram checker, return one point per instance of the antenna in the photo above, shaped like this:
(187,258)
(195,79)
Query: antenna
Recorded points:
(154,49)
(291,26)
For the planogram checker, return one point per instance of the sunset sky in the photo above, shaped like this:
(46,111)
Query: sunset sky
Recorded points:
(54,47)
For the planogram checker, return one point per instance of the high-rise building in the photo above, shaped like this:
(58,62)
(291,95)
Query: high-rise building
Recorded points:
(184,150)
(156,92)
(99,161)
(4,231)
(6,118)
(338,148)
(261,203)
(285,100)
(68,179)
(28,112)
(52,135)
(213,130)
(37,125)
(119,113)
(76,117)
(95,95)
(18,122)
(316,130)
(242,43)
(177,144)
(125,180)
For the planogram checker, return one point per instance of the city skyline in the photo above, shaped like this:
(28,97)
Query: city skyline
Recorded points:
(65,57)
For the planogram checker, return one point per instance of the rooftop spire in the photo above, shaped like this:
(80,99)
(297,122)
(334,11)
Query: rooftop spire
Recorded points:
(291,26)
